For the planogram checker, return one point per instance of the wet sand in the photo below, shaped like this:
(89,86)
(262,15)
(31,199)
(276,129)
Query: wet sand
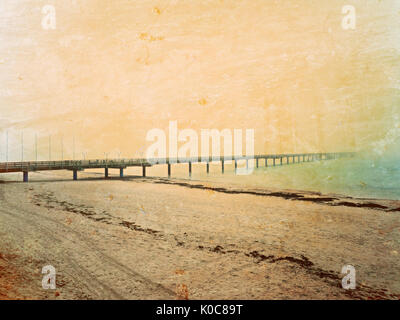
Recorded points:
(153,238)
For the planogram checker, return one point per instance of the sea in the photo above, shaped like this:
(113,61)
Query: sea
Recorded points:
(360,177)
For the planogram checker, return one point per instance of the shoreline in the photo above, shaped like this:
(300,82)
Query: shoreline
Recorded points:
(327,198)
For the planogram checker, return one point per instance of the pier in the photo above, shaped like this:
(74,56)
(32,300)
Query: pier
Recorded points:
(79,165)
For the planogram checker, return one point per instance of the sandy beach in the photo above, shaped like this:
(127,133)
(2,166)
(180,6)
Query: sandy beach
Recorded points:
(154,238)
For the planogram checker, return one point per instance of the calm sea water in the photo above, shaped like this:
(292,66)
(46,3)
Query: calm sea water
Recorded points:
(357,177)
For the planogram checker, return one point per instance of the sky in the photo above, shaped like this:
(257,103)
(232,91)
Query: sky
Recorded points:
(111,71)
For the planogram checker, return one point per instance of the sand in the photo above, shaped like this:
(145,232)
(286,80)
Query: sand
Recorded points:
(154,238)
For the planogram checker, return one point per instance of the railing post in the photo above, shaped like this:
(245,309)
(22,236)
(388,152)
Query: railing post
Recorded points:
(25,176)
(266,162)
(144,171)
(105,172)
(169,170)
(75,174)
(190,169)
(222,166)
(121,172)
(208,167)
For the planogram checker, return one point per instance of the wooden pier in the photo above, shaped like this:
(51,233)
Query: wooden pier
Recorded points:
(121,164)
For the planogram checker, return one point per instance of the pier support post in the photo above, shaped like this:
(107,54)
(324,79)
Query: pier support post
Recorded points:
(257,163)
(222,166)
(144,171)
(274,162)
(75,174)
(287,160)
(106,172)
(281,160)
(190,169)
(266,162)
(121,172)
(208,167)
(235,166)
(247,164)
(25,176)
(169,170)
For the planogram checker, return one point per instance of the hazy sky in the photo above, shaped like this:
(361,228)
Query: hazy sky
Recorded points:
(113,70)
